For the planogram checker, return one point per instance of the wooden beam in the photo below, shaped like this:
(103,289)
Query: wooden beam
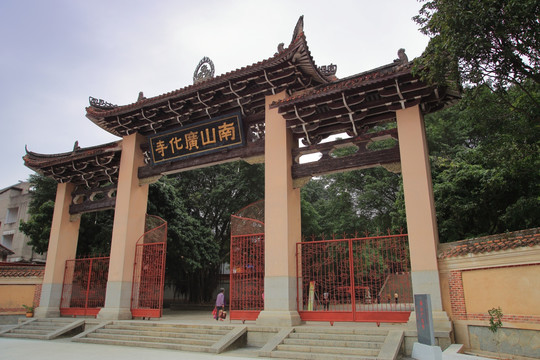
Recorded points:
(253,149)
(356,161)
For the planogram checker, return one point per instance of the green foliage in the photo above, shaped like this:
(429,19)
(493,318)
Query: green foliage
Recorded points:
(40,208)
(485,163)
(94,233)
(206,198)
(352,202)
(495,319)
(191,253)
(480,41)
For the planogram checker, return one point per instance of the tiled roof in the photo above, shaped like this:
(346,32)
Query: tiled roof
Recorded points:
(5,251)
(372,76)
(89,166)
(18,270)
(486,244)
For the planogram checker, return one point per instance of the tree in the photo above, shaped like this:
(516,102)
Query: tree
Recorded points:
(485,163)
(95,229)
(210,196)
(192,255)
(351,202)
(40,208)
(481,41)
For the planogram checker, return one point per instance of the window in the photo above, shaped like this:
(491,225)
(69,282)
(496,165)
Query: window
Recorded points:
(12,214)
(7,241)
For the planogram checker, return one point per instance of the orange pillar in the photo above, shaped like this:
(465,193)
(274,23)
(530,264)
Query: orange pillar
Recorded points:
(419,207)
(128,227)
(282,222)
(62,246)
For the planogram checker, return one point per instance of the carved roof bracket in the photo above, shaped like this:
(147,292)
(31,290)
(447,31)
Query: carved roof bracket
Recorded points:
(351,113)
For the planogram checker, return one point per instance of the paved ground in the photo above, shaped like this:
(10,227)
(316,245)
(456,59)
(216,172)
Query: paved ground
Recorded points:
(64,349)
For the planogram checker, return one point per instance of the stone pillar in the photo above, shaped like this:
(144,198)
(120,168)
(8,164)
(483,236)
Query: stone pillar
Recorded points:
(282,223)
(419,207)
(128,227)
(62,246)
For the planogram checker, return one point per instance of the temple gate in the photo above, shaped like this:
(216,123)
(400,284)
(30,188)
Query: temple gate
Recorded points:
(258,113)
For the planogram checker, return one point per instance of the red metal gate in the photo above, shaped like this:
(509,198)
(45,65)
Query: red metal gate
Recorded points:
(247,263)
(149,270)
(361,279)
(84,287)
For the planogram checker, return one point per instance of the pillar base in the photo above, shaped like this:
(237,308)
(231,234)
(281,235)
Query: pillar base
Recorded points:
(51,296)
(115,314)
(426,352)
(279,318)
(42,312)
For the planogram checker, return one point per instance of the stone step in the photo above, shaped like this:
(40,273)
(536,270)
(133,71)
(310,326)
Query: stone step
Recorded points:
(25,330)
(169,346)
(313,356)
(172,329)
(42,327)
(25,336)
(46,322)
(154,339)
(155,333)
(341,330)
(166,325)
(335,350)
(337,337)
(340,343)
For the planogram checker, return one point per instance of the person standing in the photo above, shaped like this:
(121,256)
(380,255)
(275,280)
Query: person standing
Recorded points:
(326,301)
(220,304)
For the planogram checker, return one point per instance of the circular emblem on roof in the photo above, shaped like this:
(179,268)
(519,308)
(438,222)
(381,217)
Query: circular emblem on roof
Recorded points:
(204,71)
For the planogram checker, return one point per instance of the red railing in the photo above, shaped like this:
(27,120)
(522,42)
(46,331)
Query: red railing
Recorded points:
(361,279)
(247,276)
(149,270)
(247,263)
(84,287)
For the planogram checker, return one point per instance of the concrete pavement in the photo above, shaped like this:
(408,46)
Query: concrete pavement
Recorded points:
(64,349)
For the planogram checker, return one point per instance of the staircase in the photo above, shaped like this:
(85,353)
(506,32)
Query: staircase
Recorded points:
(43,329)
(195,338)
(335,343)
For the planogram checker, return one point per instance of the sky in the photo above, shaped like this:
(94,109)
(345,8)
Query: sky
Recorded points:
(54,54)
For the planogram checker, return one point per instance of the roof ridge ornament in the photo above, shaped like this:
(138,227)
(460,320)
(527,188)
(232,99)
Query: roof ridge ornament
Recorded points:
(402,57)
(298,29)
(328,70)
(204,71)
(101,104)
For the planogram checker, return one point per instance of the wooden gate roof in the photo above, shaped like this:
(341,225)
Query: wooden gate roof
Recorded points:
(90,167)
(318,105)
(355,103)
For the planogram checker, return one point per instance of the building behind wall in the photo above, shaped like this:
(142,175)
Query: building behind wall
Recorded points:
(14,201)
